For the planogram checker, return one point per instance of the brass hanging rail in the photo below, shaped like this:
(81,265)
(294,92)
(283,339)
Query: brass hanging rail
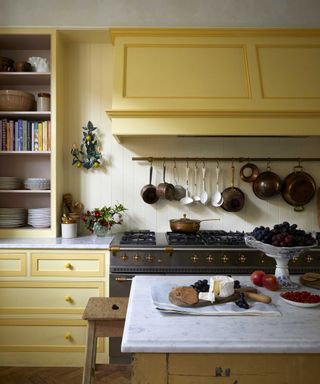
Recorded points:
(239,159)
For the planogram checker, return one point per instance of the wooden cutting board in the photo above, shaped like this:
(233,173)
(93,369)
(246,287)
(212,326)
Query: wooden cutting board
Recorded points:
(311,280)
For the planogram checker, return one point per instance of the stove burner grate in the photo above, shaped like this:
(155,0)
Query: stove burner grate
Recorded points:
(138,237)
(206,238)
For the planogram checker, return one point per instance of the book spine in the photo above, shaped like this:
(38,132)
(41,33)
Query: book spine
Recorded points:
(45,135)
(36,136)
(40,136)
(8,136)
(49,135)
(28,135)
(11,133)
(20,135)
(0,135)
(24,135)
(32,135)
(4,134)
(16,136)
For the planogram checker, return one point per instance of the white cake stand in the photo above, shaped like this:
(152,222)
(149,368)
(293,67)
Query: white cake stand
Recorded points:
(282,255)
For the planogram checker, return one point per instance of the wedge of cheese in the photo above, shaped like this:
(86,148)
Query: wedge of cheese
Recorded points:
(220,286)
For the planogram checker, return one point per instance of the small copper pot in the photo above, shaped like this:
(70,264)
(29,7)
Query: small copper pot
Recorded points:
(267,185)
(254,172)
(165,190)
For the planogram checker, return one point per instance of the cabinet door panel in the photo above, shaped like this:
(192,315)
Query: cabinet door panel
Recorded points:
(13,264)
(42,297)
(68,265)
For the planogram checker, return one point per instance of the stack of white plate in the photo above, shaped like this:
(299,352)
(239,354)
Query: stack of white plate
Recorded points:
(36,183)
(39,217)
(13,217)
(10,183)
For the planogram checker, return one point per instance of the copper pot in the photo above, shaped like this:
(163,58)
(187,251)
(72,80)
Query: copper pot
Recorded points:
(186,225)
(298,188)
(165,190)
(253,172)
(233,198)
(267,184)
(149,191)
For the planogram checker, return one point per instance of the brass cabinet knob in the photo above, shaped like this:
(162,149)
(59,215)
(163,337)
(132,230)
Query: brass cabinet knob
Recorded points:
(68,336)
(68,266)
(209,258)
(309,259)
(149,258)
(69,299)
(225,258)
(195,258)
(242,258)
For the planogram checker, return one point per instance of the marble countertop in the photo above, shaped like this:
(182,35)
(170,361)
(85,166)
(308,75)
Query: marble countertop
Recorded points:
(150,330)
(81,242)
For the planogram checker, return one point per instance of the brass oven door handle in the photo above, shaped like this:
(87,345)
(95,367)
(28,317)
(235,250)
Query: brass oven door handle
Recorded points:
(123,279)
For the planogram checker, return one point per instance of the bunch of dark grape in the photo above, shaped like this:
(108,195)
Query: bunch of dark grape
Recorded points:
(283,235)
(242,302)
(201,286)
(236,284)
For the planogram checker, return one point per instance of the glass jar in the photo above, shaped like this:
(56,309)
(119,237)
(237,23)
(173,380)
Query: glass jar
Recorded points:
(43,102)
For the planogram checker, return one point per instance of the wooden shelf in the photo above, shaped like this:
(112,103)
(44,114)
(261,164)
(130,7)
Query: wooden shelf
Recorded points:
(24,78)
(28,191)
(31,153)
(26,114)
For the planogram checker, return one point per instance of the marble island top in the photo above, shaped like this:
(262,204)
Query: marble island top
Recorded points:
(147,329)
(81,242)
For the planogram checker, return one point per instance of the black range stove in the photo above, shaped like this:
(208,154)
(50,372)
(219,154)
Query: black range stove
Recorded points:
(214,251)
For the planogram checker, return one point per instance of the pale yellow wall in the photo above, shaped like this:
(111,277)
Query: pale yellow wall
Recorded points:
(88,85)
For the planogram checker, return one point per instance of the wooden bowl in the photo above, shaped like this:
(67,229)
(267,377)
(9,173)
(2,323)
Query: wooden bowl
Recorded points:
(12,100)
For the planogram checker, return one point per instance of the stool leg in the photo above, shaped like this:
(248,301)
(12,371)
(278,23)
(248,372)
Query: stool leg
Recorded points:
(90,359)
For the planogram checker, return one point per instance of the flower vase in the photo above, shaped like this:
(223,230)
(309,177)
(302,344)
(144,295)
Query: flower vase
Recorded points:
(101,230)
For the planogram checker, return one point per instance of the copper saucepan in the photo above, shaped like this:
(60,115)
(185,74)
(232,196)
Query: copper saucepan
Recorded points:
(149,191)
(233,197)
(165,190)
(298,188)
(186,225)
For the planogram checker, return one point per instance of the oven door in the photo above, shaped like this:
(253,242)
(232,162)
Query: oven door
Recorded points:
(119,286)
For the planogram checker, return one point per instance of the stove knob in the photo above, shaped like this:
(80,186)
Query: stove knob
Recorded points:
(242,259)
(225,258)
(124,257)
(209,258)
(195,258)
(136,257)
(295,259)
(309,259)
(149,258)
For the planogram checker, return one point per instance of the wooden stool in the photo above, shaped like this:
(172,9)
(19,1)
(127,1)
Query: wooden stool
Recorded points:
(106,316)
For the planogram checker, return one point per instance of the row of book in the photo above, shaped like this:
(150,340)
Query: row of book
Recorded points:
(25,135)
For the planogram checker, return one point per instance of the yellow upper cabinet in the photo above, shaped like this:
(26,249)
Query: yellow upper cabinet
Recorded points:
(216,82)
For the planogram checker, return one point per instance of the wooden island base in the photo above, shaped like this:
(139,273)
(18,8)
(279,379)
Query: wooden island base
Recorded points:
(197,368)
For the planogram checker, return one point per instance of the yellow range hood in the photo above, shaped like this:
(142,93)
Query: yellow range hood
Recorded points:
(216,82)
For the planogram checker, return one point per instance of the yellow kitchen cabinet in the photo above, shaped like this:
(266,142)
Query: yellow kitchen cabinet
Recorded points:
(43,294)
(68,264)
(13,264)
(239,368)
(215,82)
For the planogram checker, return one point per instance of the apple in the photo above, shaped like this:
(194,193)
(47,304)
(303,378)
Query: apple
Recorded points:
(257,277)
(270,282)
